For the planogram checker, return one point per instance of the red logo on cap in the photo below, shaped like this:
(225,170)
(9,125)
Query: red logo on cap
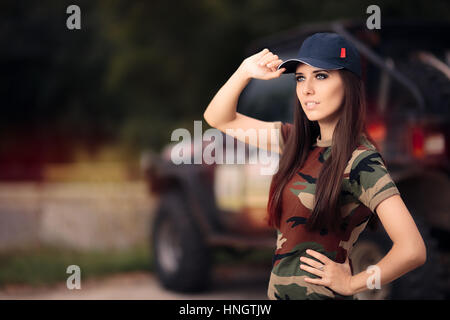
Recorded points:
(342,52)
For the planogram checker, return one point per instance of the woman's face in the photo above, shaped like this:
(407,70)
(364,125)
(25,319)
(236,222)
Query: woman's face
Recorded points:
(320,92)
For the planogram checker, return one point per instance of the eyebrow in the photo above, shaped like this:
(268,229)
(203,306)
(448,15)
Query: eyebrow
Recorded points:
(316,71)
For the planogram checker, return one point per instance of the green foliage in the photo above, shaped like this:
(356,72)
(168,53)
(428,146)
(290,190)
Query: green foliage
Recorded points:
(48,265)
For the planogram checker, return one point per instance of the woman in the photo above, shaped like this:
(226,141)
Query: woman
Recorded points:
(331,179)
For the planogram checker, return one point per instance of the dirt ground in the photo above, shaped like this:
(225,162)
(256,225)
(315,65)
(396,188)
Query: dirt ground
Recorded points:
(229,283)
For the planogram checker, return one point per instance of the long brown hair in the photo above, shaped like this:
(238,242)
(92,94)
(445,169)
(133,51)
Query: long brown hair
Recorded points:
(348,130)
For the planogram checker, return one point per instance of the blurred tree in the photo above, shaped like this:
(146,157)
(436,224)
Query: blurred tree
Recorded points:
(51,85)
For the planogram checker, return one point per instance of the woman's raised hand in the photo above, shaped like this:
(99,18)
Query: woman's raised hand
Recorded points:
(262,65)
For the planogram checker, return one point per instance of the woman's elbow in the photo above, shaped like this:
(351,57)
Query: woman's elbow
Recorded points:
(422,256)
(419,254)
(414,255)
(206,118)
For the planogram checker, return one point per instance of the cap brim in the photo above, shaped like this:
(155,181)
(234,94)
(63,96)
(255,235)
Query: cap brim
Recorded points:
(291,64)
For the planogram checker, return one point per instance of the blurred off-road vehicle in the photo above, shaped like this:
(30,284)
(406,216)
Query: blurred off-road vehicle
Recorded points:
(407,76)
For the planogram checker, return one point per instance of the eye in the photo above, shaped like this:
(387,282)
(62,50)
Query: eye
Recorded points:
(321,76)
(299,78)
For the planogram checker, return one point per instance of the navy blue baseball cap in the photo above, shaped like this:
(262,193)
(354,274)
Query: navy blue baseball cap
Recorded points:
(328,51)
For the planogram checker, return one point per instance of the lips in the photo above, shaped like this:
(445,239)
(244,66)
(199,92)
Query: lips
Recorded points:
(310,104)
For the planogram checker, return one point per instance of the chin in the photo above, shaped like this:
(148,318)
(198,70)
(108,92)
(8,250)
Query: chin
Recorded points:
(313,117)
(317,116)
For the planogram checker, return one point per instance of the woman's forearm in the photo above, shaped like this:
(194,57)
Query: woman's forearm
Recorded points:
(222,107)
(394,264)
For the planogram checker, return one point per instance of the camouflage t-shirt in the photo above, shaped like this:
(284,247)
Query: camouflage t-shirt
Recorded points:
(365,183)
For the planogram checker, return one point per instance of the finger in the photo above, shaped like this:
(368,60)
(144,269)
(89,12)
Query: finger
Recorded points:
(311,262)
(275,74)
(260,54)
(265,59)
(315,281)
(275,63)
(270,59)
(273,69)
(312,270)
(324,259)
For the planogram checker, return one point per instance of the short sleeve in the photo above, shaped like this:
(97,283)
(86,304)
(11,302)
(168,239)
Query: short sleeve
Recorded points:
(368,179)
(285,129)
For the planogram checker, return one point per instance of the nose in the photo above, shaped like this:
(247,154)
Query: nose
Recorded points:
(307,87)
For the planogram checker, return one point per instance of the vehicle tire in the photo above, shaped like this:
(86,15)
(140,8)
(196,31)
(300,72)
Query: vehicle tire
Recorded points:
(181,257)
(423,283)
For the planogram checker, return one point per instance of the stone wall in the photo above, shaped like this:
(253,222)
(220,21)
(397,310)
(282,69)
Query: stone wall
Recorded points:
(76,215)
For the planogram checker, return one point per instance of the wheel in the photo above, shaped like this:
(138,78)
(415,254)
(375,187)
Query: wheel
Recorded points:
(181,258)
(422,283)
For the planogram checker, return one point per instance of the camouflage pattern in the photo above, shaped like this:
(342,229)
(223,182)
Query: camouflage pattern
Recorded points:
(366,183)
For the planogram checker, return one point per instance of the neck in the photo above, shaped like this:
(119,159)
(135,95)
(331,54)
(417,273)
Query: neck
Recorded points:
(327,129)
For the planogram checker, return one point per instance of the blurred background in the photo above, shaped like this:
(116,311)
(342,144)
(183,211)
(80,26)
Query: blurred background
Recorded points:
(86,123)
